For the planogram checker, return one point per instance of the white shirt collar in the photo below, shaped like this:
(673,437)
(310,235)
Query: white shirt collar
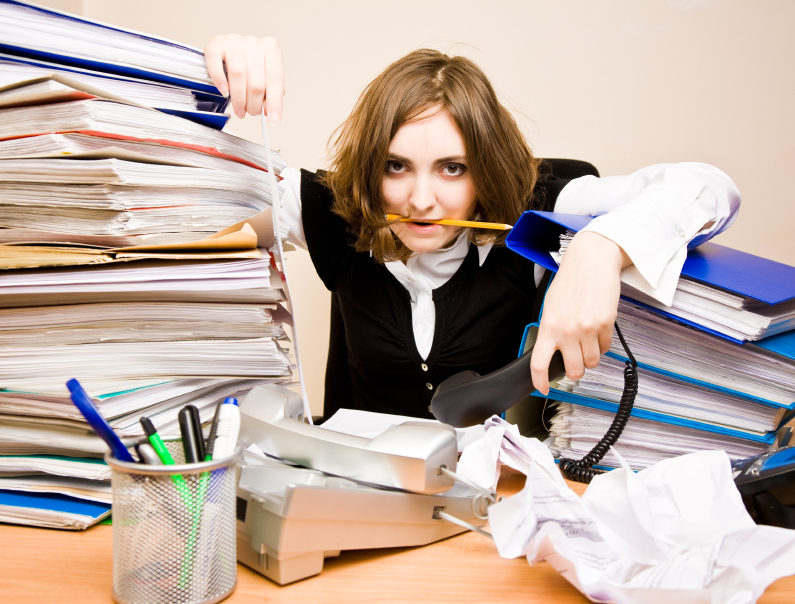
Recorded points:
(435,268)
(483,252)
(424,273)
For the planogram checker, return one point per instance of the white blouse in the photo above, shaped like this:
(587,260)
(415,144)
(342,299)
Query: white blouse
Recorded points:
(654,215)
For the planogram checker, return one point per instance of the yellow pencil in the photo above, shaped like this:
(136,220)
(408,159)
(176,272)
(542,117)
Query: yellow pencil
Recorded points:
(453,222)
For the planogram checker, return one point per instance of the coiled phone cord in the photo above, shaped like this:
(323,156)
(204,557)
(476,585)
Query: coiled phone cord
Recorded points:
(581,470)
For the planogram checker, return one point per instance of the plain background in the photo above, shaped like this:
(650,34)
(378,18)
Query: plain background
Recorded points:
(620,83)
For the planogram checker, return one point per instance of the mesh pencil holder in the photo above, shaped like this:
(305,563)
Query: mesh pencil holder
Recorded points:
(174,530)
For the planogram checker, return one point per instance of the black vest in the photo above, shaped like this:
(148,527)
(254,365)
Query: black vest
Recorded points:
(373,362)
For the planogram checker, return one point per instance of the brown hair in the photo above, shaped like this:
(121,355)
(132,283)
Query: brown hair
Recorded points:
(501,164)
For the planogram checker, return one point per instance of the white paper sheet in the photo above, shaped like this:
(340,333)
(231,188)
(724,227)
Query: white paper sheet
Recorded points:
(676,532)
(482,459)
(369,425)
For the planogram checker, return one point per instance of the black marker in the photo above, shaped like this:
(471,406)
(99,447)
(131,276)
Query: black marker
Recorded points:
(197,427)
(191,441)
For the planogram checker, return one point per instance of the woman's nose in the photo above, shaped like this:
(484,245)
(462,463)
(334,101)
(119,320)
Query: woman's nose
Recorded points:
(422,199)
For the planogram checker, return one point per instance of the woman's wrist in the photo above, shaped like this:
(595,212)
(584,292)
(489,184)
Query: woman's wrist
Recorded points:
(597,246)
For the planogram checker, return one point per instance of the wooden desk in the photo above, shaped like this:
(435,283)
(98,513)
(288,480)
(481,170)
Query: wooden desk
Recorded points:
(46,566)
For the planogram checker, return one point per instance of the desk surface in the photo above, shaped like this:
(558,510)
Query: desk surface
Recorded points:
(43,566)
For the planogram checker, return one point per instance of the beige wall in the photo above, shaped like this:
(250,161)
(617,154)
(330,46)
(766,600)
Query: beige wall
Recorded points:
(621,83)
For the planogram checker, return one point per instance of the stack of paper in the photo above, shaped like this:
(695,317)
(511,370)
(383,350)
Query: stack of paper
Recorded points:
(118,197)
(53,491)
(243,281)
(71,487)
(56,433)
(728,314)
(88,468)
(50,510)
(699,387)
(145,337)
(112,119)
(135,322)
(164,97)
(12,71)
(133,254)
(31,30)
(21,368)
(736,316)
(73,143)
(129,172)
(37,42)
(643,442)
(675,348)
(664,395)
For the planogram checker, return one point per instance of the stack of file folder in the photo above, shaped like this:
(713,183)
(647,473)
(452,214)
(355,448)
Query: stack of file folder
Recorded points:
(132,254)
(716,367)
(146,69)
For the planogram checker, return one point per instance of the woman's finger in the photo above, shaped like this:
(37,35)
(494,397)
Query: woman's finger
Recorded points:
(255,76)
(605,339)
(214,55)
(573,361)
(236,74)
(539,362)
(274,80)
(589,347)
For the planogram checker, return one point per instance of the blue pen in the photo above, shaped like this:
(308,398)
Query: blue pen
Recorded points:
(83,402)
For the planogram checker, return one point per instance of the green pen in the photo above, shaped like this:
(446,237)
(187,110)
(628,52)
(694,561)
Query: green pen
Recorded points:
(160,448)
(157,443)
(162,452)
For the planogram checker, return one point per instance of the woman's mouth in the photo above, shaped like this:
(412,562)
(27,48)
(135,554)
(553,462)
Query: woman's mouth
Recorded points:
(420,227)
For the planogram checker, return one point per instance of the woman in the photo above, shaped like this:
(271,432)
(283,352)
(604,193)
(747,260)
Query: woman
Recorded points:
(428,139)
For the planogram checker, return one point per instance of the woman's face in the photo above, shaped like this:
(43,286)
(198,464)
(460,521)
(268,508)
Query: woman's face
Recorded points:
(427,177)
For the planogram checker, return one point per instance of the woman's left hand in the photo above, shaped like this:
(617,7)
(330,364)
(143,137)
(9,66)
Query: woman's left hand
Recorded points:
(580,308)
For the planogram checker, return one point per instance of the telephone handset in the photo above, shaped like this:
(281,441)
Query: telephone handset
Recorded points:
(405,457)
(468,398)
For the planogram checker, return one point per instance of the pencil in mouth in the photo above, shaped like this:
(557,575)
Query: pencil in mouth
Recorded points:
(452,222)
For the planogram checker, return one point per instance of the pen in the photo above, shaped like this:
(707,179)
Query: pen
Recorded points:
(197,427)
(191,441)
(234,429)
(228,427)
(210,447)
(454,222)
(182,489)
(94,418)
(156,442)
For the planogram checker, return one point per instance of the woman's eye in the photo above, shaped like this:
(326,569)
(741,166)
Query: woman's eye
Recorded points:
(395,167)
(453,169)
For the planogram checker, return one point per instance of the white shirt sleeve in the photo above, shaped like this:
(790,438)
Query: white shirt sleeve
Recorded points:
(655,215)
(290,211)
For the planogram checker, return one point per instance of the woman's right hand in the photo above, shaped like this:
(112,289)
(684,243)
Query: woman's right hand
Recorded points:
(253,76)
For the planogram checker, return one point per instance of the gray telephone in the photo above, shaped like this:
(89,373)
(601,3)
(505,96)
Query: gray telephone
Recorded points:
(321,492)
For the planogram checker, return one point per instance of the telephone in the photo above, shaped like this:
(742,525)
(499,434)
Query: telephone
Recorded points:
(766,482)
(468,398)
(319,492)
(767,485)
(404,457)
